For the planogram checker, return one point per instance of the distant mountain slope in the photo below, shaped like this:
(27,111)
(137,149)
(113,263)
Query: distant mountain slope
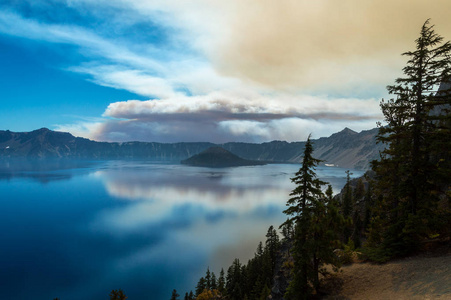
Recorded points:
(217,157)
(346,148)
(349,148)
(44,143)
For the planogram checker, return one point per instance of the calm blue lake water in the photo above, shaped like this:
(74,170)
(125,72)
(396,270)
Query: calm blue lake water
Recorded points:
(77,230)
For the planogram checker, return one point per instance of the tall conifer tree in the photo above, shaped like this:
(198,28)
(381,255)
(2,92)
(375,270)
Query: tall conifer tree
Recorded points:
(175,295)
(347,207)
(413,170)
(317,228)
(222,283)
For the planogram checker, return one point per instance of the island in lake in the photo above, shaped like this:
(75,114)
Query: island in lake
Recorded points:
(217,157)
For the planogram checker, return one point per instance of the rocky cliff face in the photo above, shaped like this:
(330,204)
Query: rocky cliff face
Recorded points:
(346,148)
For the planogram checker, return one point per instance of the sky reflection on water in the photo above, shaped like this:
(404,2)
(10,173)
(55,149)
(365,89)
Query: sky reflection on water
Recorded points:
(144,227)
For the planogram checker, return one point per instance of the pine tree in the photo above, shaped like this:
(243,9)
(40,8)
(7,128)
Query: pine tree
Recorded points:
(208,279)
(244,282)
(234,281)
(260,250)
(175,295)
(287,230)
(414,169)
(117,295)
(358,197)
(213,282)
(222,283)
(330,194)
(347,197)
(317,228)
(264,293)
(257,271)
(359,191)
(368,201)
(201,286)
(347,205)
(357,222)
(272,246)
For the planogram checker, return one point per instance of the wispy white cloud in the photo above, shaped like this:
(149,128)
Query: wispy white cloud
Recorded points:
(112,64)
(88,42)
(128,64)
(132,80)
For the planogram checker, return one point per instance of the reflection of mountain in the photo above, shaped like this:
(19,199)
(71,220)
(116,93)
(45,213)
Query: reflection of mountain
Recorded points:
(346,148)
(217,157)
(42,178)
(171,185)
(42,170)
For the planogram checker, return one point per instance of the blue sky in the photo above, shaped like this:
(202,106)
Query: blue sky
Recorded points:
(199,70)
(38,92)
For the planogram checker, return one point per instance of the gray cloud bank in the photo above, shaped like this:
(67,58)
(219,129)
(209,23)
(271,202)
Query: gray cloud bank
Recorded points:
(223,117)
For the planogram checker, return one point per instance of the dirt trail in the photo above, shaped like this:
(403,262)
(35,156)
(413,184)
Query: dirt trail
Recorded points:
(418,277)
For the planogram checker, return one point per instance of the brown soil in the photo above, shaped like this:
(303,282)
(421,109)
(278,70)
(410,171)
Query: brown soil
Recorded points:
(425,276)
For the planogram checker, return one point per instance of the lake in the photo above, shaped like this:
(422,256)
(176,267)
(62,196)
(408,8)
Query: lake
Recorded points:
(78,229)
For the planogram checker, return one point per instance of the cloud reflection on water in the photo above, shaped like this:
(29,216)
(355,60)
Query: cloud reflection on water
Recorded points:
(196,192)
(215,215)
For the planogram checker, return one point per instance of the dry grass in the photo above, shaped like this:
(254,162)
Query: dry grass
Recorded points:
(425,276)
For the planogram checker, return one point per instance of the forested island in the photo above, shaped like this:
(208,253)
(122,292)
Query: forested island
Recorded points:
(217,157)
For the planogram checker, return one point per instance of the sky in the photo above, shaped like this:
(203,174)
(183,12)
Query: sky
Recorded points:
(204,70)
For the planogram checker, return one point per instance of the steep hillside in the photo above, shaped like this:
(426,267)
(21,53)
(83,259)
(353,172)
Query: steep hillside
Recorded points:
(349,148)
(346,148)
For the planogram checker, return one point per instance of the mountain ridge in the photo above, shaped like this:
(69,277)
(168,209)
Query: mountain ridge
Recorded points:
(347,148)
